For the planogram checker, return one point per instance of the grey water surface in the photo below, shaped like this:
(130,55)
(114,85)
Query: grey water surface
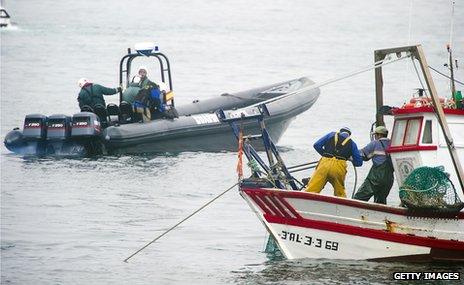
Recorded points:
(74,221)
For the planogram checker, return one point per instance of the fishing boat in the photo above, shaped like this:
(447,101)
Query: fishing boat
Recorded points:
(427,132)
(4,18)
(194,127)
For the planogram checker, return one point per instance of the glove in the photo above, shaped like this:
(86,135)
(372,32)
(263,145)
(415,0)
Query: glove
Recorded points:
(119,89)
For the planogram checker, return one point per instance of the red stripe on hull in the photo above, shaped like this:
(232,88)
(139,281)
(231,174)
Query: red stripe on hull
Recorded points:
(342,201)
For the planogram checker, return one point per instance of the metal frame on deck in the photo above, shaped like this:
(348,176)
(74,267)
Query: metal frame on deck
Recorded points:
(276,170)
(126,61)
(417,52)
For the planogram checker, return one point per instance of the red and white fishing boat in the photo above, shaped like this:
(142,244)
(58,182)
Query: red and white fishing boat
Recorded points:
(426,132)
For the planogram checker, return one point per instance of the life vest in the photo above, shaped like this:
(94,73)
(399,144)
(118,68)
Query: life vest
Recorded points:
(338,147)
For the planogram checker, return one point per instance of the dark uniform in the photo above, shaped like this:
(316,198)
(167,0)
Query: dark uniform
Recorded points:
(379,181)
(92,95)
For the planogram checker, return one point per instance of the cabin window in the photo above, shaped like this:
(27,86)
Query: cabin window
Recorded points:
(406,132)
(427,136)
(398,132)
(412,132)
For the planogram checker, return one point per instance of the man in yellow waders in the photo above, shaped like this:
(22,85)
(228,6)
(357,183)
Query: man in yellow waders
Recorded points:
(336,148)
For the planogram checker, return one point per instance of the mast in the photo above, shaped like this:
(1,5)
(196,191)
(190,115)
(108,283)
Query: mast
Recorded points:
(440,115)
(449,47)
(451,67)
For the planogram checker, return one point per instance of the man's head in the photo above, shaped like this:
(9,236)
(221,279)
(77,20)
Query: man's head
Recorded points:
(142,72)
(381,131)
(345,130)
(82,82)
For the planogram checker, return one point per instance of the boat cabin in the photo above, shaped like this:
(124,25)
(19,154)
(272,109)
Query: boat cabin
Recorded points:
(417,140)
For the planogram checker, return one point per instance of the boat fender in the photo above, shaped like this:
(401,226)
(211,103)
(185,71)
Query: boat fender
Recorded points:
(14,140)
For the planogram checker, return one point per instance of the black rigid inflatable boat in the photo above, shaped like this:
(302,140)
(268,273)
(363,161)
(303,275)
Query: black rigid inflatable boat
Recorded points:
(196,128)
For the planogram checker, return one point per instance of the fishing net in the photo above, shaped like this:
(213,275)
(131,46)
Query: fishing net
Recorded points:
(272,249)
(430,189)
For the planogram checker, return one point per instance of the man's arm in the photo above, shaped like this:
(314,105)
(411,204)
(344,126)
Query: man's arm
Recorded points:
(367,152)
(319,145)
(107,91)
(357,160)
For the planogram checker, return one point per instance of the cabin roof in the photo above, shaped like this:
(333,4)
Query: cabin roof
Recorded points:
(401,111)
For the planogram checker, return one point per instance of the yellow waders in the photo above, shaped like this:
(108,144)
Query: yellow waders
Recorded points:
(332,170)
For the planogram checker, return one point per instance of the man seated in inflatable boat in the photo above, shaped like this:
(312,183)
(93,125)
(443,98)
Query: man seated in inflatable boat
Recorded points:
(152,102)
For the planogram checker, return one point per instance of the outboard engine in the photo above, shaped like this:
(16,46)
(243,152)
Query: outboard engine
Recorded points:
(58,133)
(86,130)
(35,134)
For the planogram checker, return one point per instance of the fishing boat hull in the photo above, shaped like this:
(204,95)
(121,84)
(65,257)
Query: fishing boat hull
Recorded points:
(308,225)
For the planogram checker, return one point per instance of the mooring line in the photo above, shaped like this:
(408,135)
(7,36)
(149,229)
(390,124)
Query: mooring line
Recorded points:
(183,220)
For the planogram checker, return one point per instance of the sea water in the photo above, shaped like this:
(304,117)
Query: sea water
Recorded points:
(74,221)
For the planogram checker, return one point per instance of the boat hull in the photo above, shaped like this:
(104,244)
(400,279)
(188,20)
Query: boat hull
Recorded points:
(199,129)
(308,225)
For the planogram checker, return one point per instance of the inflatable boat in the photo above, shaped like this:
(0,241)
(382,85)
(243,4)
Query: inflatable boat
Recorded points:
(4,18)
(196,126)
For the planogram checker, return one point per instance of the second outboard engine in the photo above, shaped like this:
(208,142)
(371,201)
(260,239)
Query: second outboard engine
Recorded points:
(58,133)
(35,134)
(86,130)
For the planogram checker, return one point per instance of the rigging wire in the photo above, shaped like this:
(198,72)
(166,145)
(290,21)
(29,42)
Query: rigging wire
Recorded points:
(377,64)
(452,24)
(411,2)
(407,68)
(418,76)
(444,75)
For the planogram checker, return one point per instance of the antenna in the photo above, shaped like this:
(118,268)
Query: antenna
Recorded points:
(450,53)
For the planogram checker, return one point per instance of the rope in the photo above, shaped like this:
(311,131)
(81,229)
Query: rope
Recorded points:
(377,64)
(418,76)
(183,220)
(355,181)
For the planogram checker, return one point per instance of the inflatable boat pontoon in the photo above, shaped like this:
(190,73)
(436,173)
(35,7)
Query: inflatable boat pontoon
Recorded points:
(196,128)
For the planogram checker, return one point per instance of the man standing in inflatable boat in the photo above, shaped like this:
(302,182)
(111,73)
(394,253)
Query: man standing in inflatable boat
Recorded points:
(91,94)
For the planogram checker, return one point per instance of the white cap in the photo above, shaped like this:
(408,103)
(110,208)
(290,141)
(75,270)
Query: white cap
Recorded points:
(142,67)
(81,82)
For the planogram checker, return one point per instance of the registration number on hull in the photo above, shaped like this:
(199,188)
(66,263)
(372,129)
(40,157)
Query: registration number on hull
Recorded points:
(309,240)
